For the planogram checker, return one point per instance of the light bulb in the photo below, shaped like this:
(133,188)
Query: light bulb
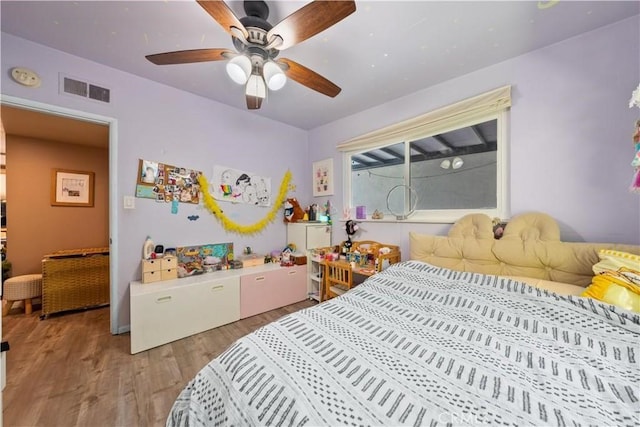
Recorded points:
(274,76)
(239,69)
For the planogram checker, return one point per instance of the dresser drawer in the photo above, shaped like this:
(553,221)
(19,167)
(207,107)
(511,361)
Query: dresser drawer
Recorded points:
(168,262)
(151,265)
(267,291)
(151,276)
(175,312)
(169,274)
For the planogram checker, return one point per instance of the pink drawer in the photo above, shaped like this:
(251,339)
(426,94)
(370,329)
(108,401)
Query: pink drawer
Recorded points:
(267,291)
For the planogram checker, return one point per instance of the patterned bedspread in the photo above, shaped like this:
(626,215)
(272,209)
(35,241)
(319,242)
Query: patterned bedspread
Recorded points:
(423,345)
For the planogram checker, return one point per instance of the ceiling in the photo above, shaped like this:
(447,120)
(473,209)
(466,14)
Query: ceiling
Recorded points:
(18,121)
(478,138)
(383,51)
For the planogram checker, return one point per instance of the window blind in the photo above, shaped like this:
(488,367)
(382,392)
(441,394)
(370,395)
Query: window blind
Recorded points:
(433,122)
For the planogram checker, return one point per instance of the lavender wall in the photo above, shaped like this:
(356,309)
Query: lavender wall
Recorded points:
(156,122)
(570,135)
(569,156)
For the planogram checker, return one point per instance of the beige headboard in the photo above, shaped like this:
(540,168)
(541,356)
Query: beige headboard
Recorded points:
(530,247)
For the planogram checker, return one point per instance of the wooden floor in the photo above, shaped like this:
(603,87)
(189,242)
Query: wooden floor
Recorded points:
(68,370)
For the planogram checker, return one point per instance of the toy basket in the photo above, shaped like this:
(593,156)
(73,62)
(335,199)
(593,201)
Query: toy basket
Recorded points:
(75,279)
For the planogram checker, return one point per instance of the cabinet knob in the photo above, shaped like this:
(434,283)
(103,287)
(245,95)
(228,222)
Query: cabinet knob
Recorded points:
(163,299)
(217,288)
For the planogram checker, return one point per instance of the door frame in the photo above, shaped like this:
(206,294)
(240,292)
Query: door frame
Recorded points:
(112,123)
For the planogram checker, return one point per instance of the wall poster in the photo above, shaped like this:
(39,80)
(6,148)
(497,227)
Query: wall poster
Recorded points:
(323,178)
(71,188)
(166,183)
(237,186)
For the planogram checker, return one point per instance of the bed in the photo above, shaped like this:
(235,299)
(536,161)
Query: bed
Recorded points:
(428,344)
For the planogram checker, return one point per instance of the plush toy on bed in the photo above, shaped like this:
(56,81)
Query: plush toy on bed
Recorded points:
(498,227)
(292,210)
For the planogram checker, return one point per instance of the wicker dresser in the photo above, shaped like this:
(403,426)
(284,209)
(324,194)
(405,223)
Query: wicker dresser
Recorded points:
(75,279)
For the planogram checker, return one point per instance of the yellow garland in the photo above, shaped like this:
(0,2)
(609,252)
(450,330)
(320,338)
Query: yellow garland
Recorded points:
(211,204)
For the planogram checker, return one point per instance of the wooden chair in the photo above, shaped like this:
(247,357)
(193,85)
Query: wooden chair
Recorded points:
(339,278)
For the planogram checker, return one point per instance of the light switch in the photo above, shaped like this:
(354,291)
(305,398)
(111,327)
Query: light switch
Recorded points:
(129,202)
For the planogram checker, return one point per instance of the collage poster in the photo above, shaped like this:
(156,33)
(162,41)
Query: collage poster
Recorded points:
(166,183)
(237,186)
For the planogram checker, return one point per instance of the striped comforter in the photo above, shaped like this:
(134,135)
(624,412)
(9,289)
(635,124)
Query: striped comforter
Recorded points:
(423,345)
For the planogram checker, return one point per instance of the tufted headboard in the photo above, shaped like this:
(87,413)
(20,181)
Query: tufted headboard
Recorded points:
(529,247)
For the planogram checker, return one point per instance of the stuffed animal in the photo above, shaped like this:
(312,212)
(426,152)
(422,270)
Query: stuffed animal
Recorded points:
(350,227)
(292,210)
(498,228)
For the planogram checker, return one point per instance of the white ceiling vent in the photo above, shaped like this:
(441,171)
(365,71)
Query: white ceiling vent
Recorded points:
(74,86)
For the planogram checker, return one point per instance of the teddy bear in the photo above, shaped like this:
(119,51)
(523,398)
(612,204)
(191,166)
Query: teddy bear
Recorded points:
(292,210)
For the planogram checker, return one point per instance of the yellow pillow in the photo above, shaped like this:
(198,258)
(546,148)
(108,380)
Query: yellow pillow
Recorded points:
(612,288)
(611,260)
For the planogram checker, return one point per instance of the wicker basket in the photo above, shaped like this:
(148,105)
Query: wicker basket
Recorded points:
(75,279)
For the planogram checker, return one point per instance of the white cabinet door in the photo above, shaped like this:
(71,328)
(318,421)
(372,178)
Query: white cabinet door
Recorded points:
(308,235)
(318,236)
(176,312)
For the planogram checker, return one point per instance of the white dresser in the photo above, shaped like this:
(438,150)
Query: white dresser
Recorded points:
(169,310)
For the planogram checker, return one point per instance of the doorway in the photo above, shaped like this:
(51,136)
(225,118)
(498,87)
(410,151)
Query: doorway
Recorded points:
(45,122)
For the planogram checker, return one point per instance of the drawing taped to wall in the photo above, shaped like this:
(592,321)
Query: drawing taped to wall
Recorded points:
(238,186)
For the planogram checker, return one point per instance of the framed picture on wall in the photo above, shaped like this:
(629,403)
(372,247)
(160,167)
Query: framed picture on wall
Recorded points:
(323,178)
(71,188)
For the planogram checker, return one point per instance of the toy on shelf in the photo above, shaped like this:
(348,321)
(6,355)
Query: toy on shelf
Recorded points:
(377,215)
(292,210)
(327,211)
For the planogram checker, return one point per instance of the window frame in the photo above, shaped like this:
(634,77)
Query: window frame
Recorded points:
(444,215)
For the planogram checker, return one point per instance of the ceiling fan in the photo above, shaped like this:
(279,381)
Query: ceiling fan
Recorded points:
(258,43)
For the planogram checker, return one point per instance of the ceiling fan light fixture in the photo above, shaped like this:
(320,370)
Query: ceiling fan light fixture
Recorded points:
(274,76)
(256,86)
(239,69)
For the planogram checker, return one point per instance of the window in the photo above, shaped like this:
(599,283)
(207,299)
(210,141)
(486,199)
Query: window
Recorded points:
(438,167)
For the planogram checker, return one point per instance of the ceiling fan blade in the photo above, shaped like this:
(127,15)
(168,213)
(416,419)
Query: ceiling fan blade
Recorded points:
(188,56)
(253,102)
(225,17)
(308,78)
(309,20)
